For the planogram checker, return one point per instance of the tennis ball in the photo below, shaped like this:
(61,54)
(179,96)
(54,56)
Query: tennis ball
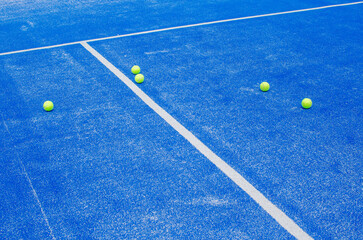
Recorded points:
(135,69)
(139,78)
(306,103)
(264,86)
(48,106)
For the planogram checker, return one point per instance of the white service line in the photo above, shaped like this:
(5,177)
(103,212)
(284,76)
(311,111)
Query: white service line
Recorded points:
(180,27)
(40,48)
(269,207)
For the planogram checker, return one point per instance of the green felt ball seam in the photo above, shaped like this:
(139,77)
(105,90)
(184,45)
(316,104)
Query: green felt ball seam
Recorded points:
(264,86)
(48,106)
(139,78)
(306,103)
(135,69)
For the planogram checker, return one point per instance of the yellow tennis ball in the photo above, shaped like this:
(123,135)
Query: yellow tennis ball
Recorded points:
(306,103)
(264,86)
(48,106)
(135,69)
(139,78)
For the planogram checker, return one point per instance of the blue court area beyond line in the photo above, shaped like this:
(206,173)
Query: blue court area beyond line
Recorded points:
(307,162)
(28,24)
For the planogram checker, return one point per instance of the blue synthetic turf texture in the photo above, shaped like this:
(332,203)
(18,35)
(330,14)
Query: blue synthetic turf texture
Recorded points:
(302,160)
(105,166)
(28,24)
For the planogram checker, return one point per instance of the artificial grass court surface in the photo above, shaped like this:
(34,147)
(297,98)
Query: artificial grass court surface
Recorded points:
(105,166)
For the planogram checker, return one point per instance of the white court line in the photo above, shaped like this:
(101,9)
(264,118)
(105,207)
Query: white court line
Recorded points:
(269,207)
(180,27)
(36,196)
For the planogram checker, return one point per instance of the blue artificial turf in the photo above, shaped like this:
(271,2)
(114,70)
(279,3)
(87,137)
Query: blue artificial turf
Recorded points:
(20,214)
(27,24)
(308,162)
(105,166)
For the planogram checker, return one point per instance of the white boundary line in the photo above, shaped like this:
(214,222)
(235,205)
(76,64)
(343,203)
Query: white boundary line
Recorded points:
(180,27)
(36,197)
(269,207)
